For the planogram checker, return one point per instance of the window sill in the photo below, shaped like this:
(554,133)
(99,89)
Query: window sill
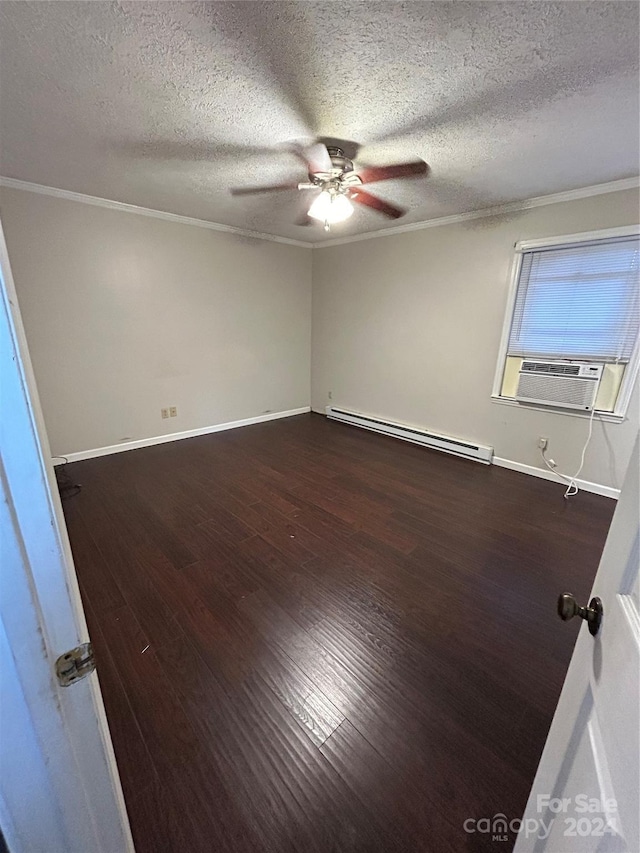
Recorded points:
(607,417)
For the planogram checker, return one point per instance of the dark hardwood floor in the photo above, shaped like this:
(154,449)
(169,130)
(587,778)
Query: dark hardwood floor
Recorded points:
(313,638)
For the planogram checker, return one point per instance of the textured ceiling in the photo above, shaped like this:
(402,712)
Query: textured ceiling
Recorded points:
(168,104)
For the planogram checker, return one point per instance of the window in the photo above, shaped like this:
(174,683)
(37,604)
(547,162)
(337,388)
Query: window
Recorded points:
(576,298)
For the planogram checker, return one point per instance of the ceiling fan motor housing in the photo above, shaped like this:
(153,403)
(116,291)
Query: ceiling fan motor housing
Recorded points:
(339,165)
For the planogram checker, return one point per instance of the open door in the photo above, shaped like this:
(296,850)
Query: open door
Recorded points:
(59,786)
(586,793)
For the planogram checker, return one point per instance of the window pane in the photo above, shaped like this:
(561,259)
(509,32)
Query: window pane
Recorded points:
(578,301)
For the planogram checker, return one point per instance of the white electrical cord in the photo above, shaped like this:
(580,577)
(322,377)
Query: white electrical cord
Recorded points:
(572,488)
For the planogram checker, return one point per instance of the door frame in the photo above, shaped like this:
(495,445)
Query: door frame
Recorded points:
(42,617)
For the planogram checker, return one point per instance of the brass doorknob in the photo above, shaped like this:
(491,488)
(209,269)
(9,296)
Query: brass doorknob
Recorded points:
(568,607)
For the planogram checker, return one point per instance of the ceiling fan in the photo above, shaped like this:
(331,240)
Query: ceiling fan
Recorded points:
(331,172)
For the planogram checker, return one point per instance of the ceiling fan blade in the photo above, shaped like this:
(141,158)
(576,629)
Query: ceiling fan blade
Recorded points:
(372,201)
(191,150)
(411,169)
(269,189)
(315,157)
(318,158)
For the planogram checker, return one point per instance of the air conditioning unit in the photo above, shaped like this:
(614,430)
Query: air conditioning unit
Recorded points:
(565,384)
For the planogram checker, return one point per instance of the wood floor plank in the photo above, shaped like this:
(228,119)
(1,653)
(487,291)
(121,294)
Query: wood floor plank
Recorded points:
(376,784)
(156,824)
(315,639)
(199,797)
(320,666)
(136,767)
(282,576)
(288,537)
(274,772)
(97,579)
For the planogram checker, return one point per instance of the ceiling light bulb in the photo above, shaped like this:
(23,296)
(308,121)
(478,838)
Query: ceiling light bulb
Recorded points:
(330,208)
(341,208)
(321,206)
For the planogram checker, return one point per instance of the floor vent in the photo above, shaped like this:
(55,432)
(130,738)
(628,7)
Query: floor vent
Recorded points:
(455,446)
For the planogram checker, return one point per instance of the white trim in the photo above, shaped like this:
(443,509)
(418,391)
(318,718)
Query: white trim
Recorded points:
(174,436)
(607,417)
(584,485)
(511,207)
(583,237)
(628,380)
(110,204)
(501,364)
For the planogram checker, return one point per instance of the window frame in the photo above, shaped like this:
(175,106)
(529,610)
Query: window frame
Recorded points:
(626,388)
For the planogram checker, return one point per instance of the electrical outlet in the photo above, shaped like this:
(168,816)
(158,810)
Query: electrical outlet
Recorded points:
(543,442)
(173,411)
(164,413)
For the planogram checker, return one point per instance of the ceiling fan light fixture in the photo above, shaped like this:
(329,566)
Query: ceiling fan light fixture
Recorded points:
(331,208)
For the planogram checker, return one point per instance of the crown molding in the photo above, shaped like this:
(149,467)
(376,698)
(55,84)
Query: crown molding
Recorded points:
(511,207)
(110,204)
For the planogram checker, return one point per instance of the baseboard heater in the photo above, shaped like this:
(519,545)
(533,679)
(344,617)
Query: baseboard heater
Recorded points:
(455,446)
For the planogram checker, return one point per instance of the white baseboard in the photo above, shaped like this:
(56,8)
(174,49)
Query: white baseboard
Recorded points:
(174,436)
(542,473)
(585,485)
(596,488)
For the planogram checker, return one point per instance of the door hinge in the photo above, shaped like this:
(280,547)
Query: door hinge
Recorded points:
(75,664)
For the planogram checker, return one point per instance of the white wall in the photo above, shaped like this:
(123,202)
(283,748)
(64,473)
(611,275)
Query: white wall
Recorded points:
(127,314)
(407,327)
